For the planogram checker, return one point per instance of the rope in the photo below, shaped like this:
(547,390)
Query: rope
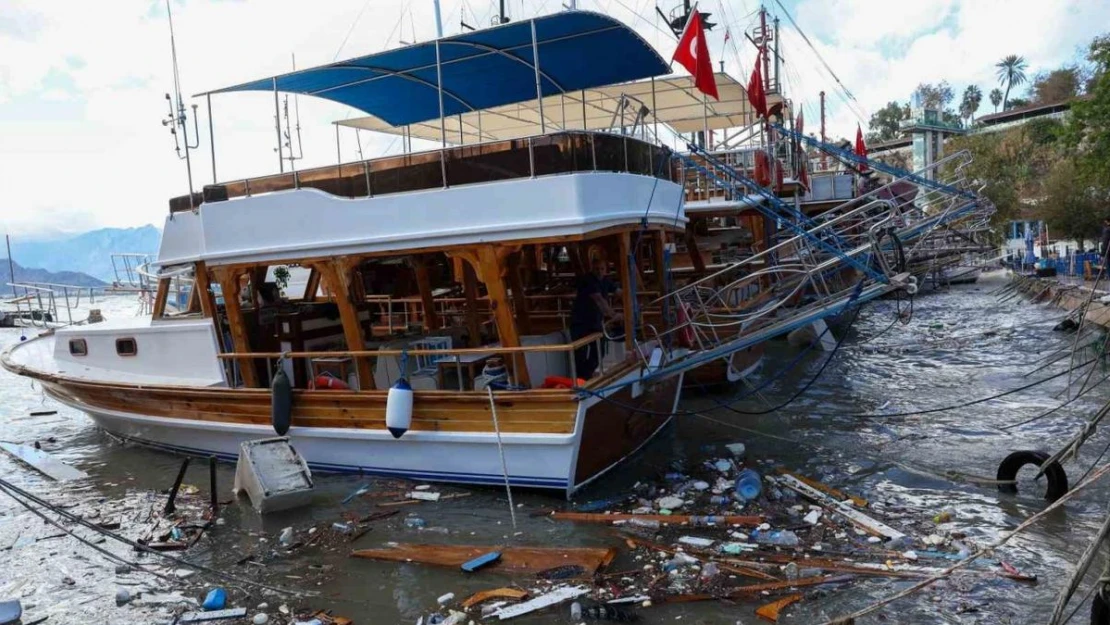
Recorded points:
(501,452)
(848,618)
(1081,567)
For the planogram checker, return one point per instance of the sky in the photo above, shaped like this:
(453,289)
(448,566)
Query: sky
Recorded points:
(83,84)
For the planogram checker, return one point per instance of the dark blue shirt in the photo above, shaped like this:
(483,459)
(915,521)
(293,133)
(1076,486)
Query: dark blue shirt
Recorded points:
(586,316)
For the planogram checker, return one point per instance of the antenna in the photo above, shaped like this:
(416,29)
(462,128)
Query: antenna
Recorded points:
(292,127)
(178,118)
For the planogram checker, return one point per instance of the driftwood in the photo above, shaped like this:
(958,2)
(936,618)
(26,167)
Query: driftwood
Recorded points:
(513,559)
(495,593)
(771,610)
(674,519)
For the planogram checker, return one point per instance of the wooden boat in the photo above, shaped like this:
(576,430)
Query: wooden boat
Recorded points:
(479,222)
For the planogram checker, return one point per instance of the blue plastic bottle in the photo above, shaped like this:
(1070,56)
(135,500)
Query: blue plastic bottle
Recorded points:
(749,485)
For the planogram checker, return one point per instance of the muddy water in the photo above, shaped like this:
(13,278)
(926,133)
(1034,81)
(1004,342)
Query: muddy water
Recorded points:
(961,344)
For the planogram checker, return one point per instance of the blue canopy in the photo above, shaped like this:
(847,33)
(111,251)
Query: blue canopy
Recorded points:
(479,69)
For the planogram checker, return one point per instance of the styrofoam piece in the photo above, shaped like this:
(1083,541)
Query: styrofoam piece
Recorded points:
(273,475)
(214,615)
(552,598)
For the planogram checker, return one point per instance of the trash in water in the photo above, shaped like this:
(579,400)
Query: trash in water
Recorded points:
(216,599)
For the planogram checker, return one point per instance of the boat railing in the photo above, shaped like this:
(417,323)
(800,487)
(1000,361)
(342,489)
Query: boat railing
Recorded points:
(530,157)
(432,361)
(42,303)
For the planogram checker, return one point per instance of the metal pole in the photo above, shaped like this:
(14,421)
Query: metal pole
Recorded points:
(442,120)
(586,126)
(778,84)
(705,122)
(439,22)
(824,163)
(338,153)
(654,117)
(277,129)
(11,264)
(536,66)
(211,137)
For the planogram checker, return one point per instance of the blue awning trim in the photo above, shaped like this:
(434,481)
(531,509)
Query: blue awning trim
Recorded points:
(481,69)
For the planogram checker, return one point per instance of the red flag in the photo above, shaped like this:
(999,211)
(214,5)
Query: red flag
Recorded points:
(756,95)
(861,147)
(802,158)
(693,54)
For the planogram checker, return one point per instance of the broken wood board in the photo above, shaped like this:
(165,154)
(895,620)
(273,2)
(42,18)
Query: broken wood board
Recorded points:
(860,519)
(495,593)
(828,490)
(214,615)
(771,610)
(513,559)
(543,601)
(43,462)
(673,519)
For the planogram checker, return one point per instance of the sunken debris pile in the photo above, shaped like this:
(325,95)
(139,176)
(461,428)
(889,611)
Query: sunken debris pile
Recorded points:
(725,531)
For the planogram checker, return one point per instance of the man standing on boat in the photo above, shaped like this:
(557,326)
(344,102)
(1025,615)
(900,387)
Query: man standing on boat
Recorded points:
(1104,245)
(587,316)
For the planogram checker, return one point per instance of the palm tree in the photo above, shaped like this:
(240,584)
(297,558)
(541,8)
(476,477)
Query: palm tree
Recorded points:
(996,98)
(1011,71)
(972,98)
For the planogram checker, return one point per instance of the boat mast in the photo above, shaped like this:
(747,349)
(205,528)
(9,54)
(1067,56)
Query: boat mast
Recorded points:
(177,118)
(439,21)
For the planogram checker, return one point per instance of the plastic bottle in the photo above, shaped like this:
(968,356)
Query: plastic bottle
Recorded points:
(710,570)
(749,485)
(719,500)
(778,538)
(648,523)
(576,611)
(414,522)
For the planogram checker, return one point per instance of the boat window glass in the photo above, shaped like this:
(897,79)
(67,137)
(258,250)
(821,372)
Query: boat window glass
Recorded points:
(78,347)
(126,347)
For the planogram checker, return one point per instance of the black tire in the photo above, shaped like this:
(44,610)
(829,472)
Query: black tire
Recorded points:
(1100,611)
(1008,470)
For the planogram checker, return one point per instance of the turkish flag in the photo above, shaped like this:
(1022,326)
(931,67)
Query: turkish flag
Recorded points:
(693,54)
(861,147)
(800,152)
(756,94)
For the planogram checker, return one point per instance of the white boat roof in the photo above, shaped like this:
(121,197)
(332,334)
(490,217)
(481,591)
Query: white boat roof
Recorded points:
(678,104)
(309,223)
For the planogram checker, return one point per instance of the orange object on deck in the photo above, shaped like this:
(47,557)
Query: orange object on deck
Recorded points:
(324,382)
(558,381)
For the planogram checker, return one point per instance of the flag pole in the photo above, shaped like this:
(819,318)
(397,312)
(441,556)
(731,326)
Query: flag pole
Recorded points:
(705,122)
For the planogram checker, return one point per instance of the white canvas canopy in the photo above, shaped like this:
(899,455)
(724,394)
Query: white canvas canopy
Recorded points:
(678,104)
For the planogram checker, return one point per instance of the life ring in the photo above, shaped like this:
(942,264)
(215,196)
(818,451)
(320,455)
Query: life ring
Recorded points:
(558,381)
(326,381)
(1008,470)
(685,326)
(281,406)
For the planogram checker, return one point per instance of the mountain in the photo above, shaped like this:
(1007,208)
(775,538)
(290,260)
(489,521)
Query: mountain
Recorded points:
(31,274)
(89,253)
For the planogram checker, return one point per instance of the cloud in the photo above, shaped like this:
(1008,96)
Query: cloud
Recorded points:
(82,83)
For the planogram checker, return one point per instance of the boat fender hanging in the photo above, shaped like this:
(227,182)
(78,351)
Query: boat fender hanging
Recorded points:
(281,406)
(398,408)
(1008,470)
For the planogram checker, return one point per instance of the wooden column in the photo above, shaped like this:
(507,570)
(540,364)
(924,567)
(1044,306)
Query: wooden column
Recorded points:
(424,284)
(312,286)
(491,267)
(229,284)
(660,264)
(692,249)
(202,286)
(470,292)
(625,240)
(520,302)
(160,297)
(336,274)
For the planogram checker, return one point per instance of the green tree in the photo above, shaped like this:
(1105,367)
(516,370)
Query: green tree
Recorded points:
(1070,207)
(1011,72)
(970,103)
(1016,103)
(1056,86)
(1089,129)
(884,123)
(996,98)
(937,96)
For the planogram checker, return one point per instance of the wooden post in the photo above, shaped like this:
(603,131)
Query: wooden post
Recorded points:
(692,249)
(312,286)
(424,284)
(660,264)
(160,297)
(202,286)
(491,267)
(625,240)
(336,274)
(520,302)
(229,284)
(470,292)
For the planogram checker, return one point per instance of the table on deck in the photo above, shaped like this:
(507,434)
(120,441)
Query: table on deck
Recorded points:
(462,363)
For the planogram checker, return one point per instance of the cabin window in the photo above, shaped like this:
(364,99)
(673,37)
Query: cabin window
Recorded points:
(78,347)
(126,347)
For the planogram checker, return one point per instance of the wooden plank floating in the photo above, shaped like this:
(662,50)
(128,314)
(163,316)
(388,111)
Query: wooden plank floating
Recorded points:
(513,559)
(495,593)
(43,462)
(673,519)
(771,610)
(862,520)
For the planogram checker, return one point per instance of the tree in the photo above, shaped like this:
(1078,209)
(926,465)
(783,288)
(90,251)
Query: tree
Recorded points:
(1089,129)
(996,98)
(1016,103)
(1056,86)
(970,103)
(1011,72)
(1070,208)
(884,123)
(937,96)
